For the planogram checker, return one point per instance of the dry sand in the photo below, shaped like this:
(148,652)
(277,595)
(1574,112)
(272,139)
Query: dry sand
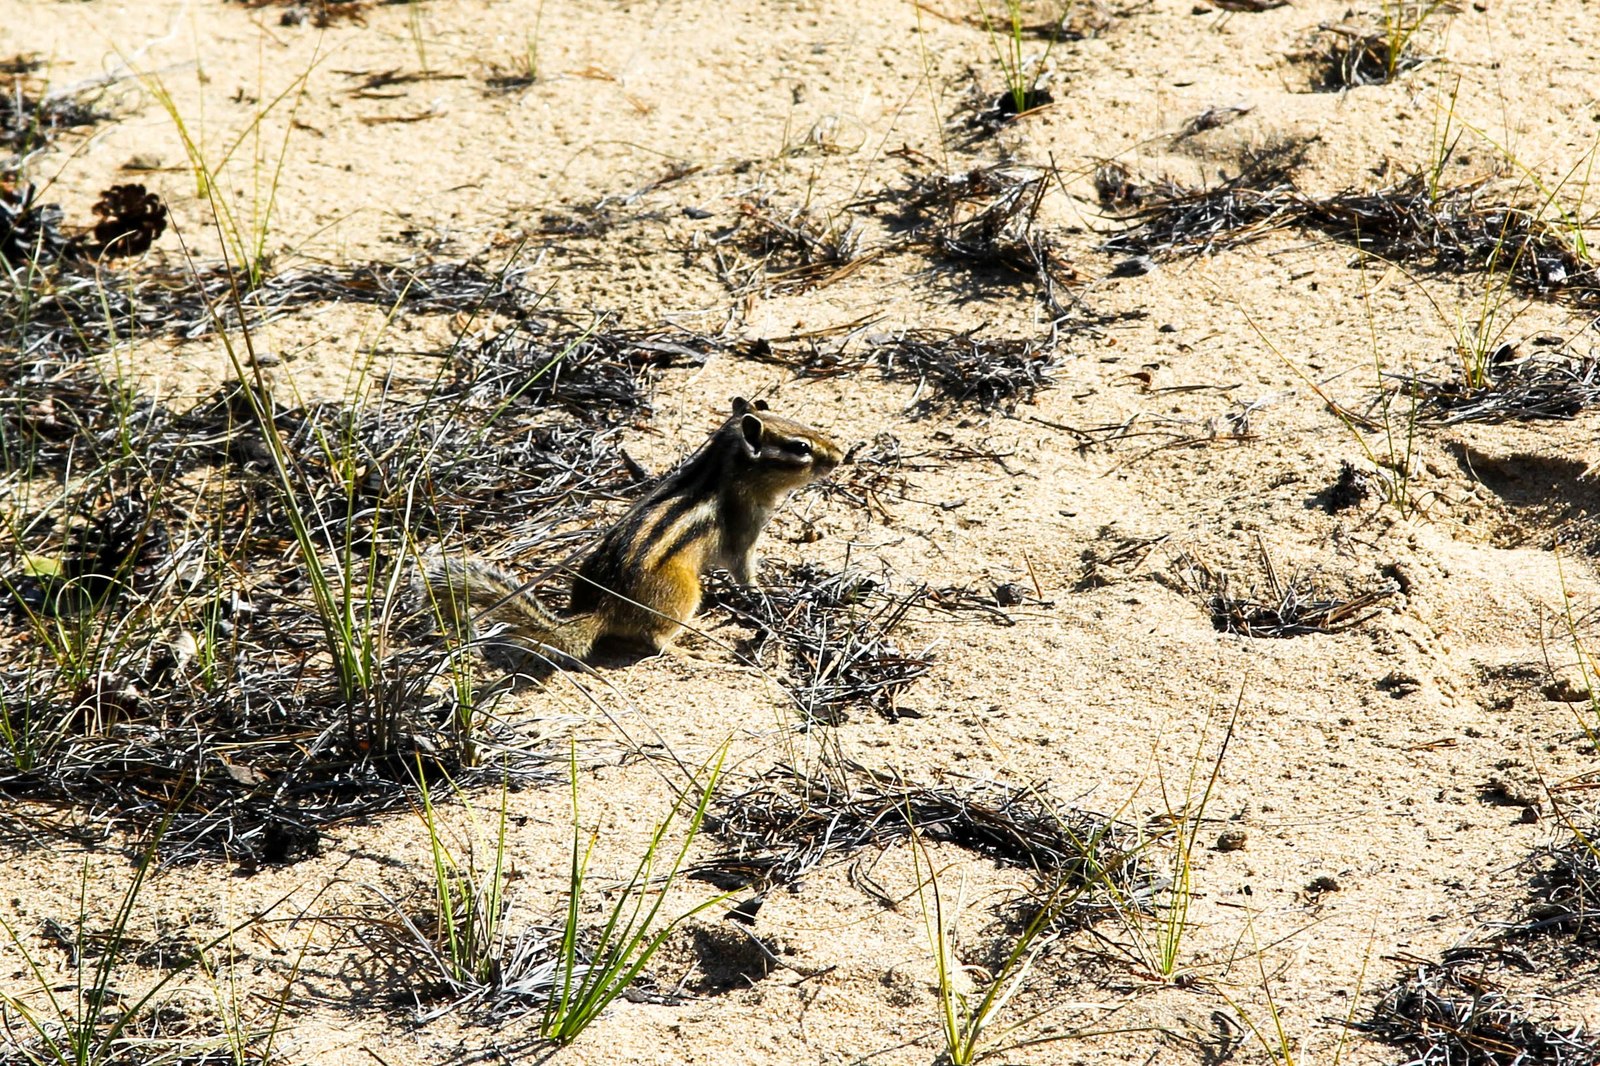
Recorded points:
(1364,756)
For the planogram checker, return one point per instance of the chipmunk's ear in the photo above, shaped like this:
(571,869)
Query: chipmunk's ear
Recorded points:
(743,406)
(750,429)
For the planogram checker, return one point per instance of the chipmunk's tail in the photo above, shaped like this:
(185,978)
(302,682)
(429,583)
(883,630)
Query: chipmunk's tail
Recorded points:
(480,602)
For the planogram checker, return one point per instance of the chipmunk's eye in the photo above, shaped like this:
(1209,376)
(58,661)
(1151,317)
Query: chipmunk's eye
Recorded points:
(803,447)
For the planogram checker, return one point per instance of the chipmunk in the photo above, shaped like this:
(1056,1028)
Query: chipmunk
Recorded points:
(642,582)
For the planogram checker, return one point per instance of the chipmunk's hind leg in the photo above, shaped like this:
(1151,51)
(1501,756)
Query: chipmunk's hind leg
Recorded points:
(674,591)
(680,596)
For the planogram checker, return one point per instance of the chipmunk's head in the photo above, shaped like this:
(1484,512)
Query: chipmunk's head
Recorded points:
(781,454)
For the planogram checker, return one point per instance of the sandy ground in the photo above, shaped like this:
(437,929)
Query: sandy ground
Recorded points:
(1362,756)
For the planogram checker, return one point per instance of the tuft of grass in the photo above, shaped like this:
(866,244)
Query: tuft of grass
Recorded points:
(86,1021)
(593,970)
(1479,226)
(787,250)
(1396,418)
(1567,889)
(530,50)
(245,228)
(78,555)
(1480,335)
(1172,906)
(1541,246)
(986,221)
(469,900)
(1158,930)
(1401,21)
(524,69)
(463,940)
(1377,50)
(349,610)
(32,724)
(838,630)
(968,1020)
(1023,78)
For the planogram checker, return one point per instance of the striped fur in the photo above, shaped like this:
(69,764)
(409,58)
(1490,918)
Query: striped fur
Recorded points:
(642,582)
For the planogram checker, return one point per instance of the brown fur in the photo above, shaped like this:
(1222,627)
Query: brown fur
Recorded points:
(642,583)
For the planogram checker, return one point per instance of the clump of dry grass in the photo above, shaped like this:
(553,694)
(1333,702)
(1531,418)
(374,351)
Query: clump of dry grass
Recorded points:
(597,374)
(986,219)
(1291,608)
(65,306)
(1463,229)
(789,824)
(1377,49)
(1541,385)
(1443,1013)
(30,122)
(775,251)
(1566,885)
(420,285)
(1165,217)
(963,368)
(1352,56)
(953,369)
(1458,230)
(836,633)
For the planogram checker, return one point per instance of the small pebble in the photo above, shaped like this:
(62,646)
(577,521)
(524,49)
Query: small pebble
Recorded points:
(1010,594)
(1231,840)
